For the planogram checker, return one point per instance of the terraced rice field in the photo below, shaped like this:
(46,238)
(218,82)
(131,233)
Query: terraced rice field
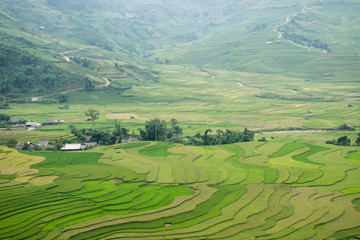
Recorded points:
(148,190)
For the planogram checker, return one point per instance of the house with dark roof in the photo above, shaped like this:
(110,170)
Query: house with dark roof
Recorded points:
(26,145)
(15,120)
(51,122)
(89,145)
(44,144)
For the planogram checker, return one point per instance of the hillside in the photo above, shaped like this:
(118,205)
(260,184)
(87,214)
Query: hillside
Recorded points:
(298,39)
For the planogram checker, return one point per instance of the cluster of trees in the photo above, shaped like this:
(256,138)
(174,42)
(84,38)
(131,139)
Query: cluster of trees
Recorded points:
(4,105)
(102,137)
(89,85)
(84,62)
(156,130)
(344,141)
(222,137)
(300,39)
(5,123)
(23,73)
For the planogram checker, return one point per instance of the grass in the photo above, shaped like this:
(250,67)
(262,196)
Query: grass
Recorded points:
(291,187)
(252,194)
(159,150)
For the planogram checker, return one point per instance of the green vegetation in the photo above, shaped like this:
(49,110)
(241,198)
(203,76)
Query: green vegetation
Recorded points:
(135,190)
(233,102)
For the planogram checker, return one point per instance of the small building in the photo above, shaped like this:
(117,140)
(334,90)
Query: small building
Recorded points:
(89,145)
(15,120)
(130,140)
(71,147)
(25,145)
(309,111)
(32,124)
(350,105)
(44,144)
(306,117)
(132,117)
(36,99)
(327,75)
(51,122)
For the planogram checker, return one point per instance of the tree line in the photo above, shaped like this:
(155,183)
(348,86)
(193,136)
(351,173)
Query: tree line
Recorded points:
(344,141)
(160,130)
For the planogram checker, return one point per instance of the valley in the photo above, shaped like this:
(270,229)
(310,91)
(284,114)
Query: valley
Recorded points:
(285,74)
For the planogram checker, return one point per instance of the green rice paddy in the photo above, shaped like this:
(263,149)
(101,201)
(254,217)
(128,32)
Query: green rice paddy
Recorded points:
(156,190)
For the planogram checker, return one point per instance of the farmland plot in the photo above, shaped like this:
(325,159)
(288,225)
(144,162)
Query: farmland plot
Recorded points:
(153,190)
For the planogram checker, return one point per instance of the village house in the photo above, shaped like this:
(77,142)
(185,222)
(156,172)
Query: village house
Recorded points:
(44,144)
(130,140)
(51,122)
(32,124)
(89,145)
(15,120)
(27,145)
(72,147)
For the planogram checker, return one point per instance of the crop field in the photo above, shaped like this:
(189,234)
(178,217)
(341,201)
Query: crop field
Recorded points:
(199,102)
(281,189)
(31,136)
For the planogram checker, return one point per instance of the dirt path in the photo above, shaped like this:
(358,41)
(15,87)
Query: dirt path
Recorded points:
(240,84)
(280,34)
(286,22)
(107,83)
(66,58)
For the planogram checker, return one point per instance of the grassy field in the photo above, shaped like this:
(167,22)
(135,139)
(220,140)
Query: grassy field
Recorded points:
(199,102)
(280,189)
(233,69)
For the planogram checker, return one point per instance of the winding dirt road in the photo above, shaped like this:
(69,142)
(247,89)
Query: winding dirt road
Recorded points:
(276,30)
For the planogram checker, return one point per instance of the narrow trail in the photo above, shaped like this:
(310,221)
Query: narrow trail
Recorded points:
(240,84)
(280,34)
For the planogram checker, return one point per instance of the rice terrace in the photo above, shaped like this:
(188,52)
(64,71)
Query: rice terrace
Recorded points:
(152,119)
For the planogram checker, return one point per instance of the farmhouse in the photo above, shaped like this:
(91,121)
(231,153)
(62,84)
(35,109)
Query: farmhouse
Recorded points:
(44,144)
(89,145)
(27,145)
(51,122)
(130,140)
(72,147)
(32,124)
(15,120)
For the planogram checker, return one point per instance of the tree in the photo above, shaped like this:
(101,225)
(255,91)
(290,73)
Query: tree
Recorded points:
(357,140)
(206,138)
(220,133)
(12,143)
(89,86)
(155,130)
(343,141)
(120,133)
(93,115)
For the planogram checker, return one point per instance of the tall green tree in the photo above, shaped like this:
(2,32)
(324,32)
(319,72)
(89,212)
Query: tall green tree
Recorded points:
(357,140)
(155,130)
(93,114)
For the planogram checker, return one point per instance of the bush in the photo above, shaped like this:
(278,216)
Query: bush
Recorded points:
(346,127)
(12,143)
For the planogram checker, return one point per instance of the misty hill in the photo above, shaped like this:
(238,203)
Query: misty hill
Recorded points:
(297,38)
